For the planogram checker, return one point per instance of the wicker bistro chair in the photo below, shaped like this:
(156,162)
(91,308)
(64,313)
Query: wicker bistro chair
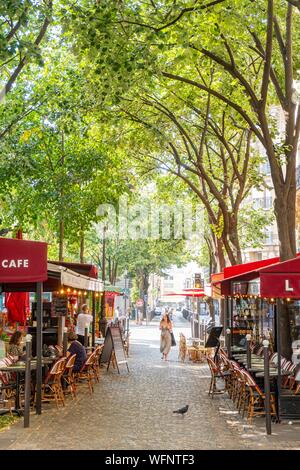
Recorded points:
(236,383)
(87,372)
(224,365)
(68,376)
(52,387)
(216,373)
(7,387)
(256,398)
(243,401)
(294,379)
(96,366)
(59,350)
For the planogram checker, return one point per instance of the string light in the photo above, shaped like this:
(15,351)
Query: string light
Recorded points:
(62,291)
(85,293)
(74,291)
(68,290)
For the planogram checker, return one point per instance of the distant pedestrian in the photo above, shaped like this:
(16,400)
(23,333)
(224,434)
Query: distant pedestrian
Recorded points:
(84,320)
(117,313)
(166,328)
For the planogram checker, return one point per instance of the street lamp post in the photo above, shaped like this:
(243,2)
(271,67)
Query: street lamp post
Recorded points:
(228,341)
(267,386)
(248,339)
(103,321)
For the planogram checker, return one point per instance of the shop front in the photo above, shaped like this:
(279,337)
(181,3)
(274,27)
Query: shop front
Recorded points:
(265,303)
(24,269)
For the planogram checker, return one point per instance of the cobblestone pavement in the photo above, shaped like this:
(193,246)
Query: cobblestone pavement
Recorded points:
(135,411)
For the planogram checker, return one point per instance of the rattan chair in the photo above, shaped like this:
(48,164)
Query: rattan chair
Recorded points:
(52,386)
(68,376)
(86,373)
(256,401)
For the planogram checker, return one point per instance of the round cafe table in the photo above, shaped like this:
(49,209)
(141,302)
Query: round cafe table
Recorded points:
(19,368)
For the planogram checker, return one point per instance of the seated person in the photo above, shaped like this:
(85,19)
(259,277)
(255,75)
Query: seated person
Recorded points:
(15,348)
(76,348)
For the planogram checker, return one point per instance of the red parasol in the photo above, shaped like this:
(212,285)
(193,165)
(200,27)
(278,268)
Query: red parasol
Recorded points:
(189,293)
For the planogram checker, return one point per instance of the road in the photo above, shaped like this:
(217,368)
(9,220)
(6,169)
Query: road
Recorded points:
(135,411)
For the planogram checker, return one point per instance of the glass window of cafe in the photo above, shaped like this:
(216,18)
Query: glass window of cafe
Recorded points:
(251,314)
(293,308)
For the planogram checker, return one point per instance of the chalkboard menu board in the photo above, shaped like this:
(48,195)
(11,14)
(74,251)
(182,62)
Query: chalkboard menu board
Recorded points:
(114,343)
(59,306)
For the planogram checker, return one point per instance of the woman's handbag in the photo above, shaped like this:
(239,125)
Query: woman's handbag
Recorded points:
(173,339)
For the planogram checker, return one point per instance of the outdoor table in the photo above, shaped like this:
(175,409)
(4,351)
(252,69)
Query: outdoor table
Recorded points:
(19,368)
(261,369)
(195,340)
(274,373)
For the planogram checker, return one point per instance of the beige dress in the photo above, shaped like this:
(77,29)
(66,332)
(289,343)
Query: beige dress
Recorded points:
(165,340)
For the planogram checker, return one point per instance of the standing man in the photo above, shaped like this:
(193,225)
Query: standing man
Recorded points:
(84,320)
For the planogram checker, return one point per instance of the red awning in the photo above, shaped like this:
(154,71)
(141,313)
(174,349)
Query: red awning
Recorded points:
(238,269)
(275,278)
(22,261)
(281,279)
(86,269)
(243,272)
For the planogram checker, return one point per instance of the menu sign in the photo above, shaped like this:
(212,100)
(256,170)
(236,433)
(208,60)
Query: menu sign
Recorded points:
(114,343)
(59,306)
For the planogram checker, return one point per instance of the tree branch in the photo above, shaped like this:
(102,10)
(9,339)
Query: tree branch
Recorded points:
(221,97)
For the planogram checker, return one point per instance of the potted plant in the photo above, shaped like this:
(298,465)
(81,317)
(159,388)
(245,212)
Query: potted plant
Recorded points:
(4,341)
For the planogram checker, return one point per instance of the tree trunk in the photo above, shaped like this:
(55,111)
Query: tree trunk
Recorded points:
(234,239)
(285,212)
(210,303)
(82,249)
(143,285)
(61,240)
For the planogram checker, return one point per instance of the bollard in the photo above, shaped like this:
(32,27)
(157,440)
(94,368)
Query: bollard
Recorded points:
(27,381)
(65,342)
(228,342)
(86,337)
(248,338)
(267,386)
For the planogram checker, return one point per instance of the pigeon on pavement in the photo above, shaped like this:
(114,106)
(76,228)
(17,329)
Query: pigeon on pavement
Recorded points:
(182,411)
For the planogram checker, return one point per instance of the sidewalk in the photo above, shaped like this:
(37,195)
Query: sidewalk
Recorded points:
(135,411)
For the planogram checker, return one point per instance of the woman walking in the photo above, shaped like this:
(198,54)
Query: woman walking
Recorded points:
(165,338)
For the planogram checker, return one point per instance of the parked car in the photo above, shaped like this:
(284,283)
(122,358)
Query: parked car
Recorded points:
(157,311)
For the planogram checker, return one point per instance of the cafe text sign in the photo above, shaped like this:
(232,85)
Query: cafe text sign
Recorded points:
(280,285)
(22,261)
